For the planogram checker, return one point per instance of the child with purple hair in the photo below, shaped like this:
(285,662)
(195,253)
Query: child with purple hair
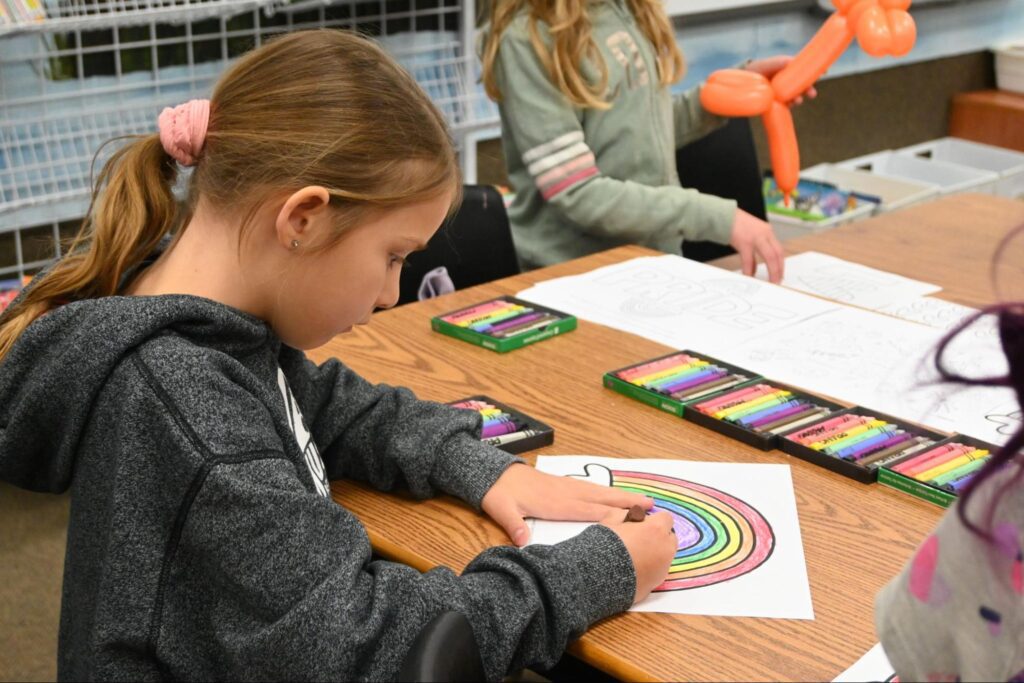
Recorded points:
(956,612)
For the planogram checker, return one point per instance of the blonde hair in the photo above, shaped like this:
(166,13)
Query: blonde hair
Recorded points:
(323,107)
(569,26)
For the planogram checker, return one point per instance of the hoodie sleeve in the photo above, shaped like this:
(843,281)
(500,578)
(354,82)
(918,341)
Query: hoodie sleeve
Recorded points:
(281,583)
(545,126)
(387,437)
(956,612)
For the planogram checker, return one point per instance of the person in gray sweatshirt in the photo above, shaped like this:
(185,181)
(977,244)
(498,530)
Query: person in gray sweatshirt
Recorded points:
(161,380)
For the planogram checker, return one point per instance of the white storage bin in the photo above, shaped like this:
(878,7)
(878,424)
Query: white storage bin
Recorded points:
(949,177)
(1010,68)
(1007,163)
(894,193)
(788,227)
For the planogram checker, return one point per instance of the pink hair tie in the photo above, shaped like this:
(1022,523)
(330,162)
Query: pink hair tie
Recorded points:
(183,130)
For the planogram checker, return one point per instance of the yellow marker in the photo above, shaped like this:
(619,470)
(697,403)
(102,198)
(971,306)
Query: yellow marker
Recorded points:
(939,470)
(841,436)
(723,414)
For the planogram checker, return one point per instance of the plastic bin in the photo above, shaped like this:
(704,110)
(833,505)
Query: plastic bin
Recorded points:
(1010,67)
(789,227)
(893,192)
(950,178)
(1007,163)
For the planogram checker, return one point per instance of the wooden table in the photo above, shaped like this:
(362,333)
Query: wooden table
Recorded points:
(855,536)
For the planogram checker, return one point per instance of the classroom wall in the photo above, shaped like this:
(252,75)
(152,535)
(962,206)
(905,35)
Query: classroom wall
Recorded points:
(866,104)
(853,115)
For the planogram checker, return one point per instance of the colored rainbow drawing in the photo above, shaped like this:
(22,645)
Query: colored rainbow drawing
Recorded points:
(720,537)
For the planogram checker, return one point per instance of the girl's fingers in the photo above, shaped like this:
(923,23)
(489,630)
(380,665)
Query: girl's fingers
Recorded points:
(747,259)
(609,495)
(505,512)
(575,510)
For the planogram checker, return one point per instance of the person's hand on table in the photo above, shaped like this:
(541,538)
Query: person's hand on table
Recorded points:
(522,491)
(651,544)
(752,238)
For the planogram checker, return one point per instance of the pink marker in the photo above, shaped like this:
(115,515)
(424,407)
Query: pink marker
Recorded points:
(734,398)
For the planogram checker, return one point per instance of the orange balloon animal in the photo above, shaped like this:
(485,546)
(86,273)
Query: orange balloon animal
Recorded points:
(882,27)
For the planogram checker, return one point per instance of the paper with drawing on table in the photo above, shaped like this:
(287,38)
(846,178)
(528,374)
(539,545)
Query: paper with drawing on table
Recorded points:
(677,302)
(848,282)
(739,549)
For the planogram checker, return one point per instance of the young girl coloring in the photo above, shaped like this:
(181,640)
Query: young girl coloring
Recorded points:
(590,132)
(163,382)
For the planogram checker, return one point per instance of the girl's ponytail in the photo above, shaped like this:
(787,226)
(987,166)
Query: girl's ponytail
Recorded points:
(133,208)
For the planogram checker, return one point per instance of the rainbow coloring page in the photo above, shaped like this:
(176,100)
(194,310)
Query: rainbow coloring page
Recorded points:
(739,551)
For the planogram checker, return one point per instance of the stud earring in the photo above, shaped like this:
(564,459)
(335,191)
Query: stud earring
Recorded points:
(295,244)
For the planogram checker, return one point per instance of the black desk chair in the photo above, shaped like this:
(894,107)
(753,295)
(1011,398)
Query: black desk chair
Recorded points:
(475,246)
(445,650)
(722,163)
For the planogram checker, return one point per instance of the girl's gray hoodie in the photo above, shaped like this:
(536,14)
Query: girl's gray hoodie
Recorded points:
(199,546)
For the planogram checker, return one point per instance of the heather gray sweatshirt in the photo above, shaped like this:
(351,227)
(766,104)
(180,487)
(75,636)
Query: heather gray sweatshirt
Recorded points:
(200,543)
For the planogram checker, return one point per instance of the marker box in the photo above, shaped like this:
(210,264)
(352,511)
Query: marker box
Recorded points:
(531,433)
(757,437)
(618,380)
(847,467)
(503,324)
(925,491)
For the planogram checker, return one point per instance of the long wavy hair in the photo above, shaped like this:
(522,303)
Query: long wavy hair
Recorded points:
(569,26)
(304,109)
(1011,335)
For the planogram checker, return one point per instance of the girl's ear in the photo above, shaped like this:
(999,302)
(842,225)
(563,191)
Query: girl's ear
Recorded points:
(302,210)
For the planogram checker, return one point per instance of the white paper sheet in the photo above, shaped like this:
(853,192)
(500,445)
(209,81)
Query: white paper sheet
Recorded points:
(873,666)
(855,355)
(943,315)
(887,364)
(848,282)
(742,517)
(677,302)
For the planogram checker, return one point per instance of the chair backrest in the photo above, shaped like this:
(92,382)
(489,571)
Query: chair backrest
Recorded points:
(722,163)
(445,650)
(475,246)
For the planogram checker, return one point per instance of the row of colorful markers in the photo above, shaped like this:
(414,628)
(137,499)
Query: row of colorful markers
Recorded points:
(864,440)
(499,427)
(681,377)
(950,466)
(764,408)
(501,318)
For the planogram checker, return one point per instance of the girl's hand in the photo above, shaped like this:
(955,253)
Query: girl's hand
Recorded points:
(770,66)
(521,491)
(752,237)
(651,545)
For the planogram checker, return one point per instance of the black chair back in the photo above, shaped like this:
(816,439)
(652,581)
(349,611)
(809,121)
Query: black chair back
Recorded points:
(475,246)
(722,163)
(445,650)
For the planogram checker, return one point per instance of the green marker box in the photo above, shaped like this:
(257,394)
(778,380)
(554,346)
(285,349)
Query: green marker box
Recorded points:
(923,490)
(766,441)
(848,468)
(511,340)
(613,381)
(542,434)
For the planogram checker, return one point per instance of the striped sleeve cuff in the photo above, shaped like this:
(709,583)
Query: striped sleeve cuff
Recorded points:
(559,164)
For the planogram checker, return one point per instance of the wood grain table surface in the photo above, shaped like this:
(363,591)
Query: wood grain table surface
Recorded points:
(855,536)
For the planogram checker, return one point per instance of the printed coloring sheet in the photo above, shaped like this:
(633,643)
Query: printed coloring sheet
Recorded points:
(848,282)
(739,549)
(677,302)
